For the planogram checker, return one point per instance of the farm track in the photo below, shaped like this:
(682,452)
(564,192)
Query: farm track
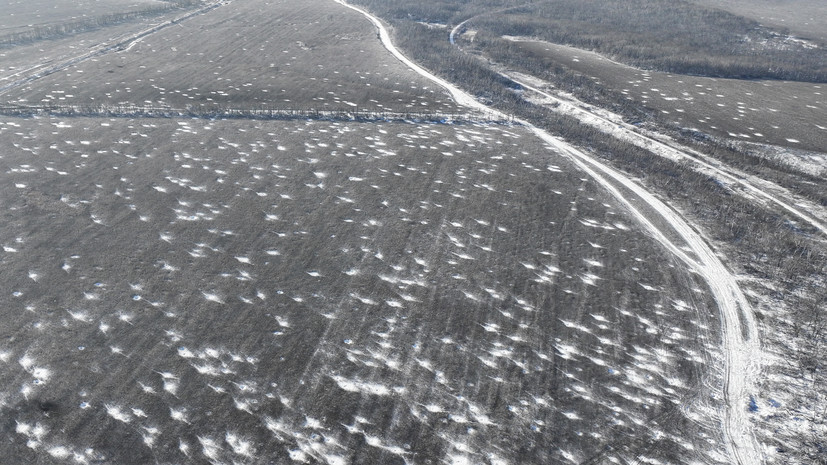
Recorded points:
(45,69)
(740,333)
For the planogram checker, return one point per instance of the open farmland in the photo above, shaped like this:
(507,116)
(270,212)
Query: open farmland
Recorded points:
(69,19)
(19,15)
(251,54)
(222,290)
(25,59)
(210,256)
(33,58)
(803,18)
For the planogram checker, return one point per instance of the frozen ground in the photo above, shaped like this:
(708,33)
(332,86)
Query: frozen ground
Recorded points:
(782,113)
(20,15)
(306,55)
(804,18)
(332,292)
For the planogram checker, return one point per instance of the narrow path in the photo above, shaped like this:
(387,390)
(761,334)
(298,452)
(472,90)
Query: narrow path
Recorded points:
(456,30)
(459,96)
(740,333)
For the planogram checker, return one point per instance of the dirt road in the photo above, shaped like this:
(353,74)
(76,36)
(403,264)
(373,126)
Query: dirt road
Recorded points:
(740,334)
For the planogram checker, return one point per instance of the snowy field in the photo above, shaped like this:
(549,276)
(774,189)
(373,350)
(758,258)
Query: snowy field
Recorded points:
(804,18)
(792,114)
(308,55)
(218,291)
(192,290)
(20,15)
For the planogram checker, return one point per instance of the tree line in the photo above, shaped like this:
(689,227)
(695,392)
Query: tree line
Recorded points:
(263,112)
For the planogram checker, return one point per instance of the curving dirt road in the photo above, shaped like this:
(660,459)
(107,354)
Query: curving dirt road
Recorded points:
(740,334)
